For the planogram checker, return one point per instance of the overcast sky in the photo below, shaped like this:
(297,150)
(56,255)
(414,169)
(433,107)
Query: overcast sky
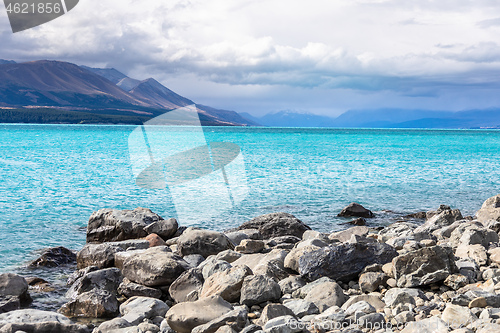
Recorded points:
(322,56)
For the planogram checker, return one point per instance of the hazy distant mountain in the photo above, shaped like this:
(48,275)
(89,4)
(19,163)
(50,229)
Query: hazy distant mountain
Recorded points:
(287,118)
(3,62)
(105,91)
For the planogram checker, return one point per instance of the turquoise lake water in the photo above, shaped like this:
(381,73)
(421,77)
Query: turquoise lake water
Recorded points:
(54,176)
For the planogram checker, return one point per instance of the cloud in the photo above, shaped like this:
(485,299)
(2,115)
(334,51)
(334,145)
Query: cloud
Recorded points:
(405,50)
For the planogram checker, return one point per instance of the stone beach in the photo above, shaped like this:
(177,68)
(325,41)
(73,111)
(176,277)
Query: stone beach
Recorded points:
(431,272)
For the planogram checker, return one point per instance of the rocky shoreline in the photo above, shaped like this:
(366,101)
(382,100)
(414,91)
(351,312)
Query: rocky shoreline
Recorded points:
(436,271)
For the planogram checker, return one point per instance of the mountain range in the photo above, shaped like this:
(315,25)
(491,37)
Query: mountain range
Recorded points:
(68,87)
(384,118)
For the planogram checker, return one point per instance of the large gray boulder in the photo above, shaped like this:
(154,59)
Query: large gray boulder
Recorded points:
(109,225)
(203,242)
(226,284)
(344,261)
(16,286)
(490,210)
(187,286)
(276,224)
(355,209)
(156,266)
(258,289)
(423,266)
(32,320)
(103,255)
(105,279)
(183,317)
(95,303)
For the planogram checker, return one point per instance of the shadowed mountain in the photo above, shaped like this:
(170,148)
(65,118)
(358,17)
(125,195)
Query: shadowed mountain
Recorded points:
(63,85)
(287,118)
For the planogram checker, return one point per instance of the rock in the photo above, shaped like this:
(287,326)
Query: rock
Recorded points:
(54,257)
(490,210)
(457,316)
(256,259)
(103,255)
(187,286)
(283,324)
(272,268)
(291,283)
(360,221)
(105,279)
(373,300)
(360,307)
(440,220)
(344,261)
(155,240)
(429,325)
(424,266)
(476,252)
(370,281)
(32,320)
(456,281)
(203,242)
(95,303)
(302,307)
(372,321)
(487,328)
(275,225)
(154,267)
(183,317)
(16,286)
(9,303)
(235,319)
(136,309)
(326,295)
(113,324)
(212,266)
(494,254)
(272,311)
(345,235)
(109,225)
(355,209)
(302,292)
(479,302)
(228,255)
(164,228)
(121,256)
(258,289)
(477,235)
(130,289)
(226,284)
(236,237)
(194,260)
(248,246)
(292,259)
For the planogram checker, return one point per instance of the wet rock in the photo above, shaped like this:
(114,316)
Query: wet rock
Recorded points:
(490,210)
(183,317)
(164,228)
(136,309)
(187,286)
(226,284)
(130,289)
(355,209)
(276,224)
(235,319)
(54,257)
(110,225)
(154,267)
(103,255)
(326,295)
(424,266)
(32,320)
(258,289)
(16,286)
(345,261)
(203,242)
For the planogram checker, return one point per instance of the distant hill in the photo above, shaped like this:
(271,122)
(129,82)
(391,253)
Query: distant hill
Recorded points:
(384,118)
(68,87)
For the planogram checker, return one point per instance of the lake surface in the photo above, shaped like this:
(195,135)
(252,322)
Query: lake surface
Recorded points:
(54,176)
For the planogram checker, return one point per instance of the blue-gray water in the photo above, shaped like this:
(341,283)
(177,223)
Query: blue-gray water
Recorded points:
(54,176)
